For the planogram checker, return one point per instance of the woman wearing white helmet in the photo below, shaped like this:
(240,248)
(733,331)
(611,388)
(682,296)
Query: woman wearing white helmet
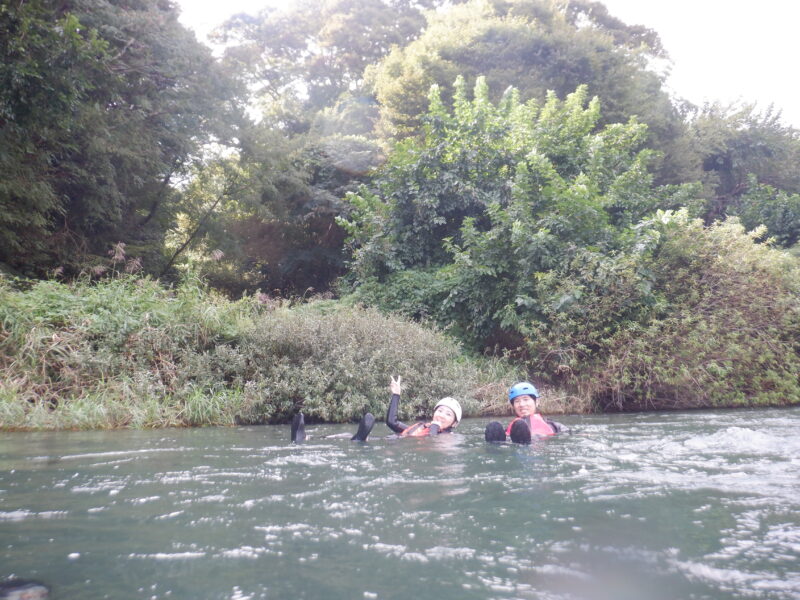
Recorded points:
(446,416)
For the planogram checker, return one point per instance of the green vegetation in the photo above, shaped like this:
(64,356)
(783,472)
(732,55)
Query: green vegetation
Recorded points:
(126,352)
(528,227)
(102,107)
(569,214)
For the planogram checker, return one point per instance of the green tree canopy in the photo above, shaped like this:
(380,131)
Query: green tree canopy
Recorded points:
(104,104)
(536,46)
(302,58)
(535,228)
(506,191)
(749,166)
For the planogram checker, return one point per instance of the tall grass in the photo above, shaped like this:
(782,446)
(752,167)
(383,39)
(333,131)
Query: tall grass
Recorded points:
(127,352)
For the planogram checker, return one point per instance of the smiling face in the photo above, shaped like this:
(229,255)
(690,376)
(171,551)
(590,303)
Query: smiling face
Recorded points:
(524,406)
(443,417)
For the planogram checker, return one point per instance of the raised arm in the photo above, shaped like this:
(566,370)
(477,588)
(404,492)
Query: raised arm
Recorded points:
(391,415)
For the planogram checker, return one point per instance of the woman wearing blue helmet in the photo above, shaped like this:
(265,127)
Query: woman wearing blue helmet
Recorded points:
(528,421)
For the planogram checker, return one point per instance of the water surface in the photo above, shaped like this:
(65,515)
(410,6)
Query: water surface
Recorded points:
(696,505)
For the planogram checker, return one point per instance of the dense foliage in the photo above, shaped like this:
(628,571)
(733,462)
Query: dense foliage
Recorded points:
(536,47)
(128,352)
(724,329)
(572,212)
(102,104)
(528,227)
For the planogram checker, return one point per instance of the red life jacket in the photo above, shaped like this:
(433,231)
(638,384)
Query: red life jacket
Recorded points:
(417,430)
(537,424)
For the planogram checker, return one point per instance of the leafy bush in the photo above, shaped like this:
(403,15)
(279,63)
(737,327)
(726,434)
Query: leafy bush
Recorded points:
(727,332)
(777,210)
(525,227)
(128,352)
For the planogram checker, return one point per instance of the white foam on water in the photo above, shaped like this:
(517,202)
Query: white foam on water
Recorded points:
(738,440)
(237,594)
(23,514)
(736,581)
(145,500)
(281,528)
(447,553)
(315,459)
(167,555)
(387,549)
(244,552)
(111,453)
(549,569)
(345,510)
(210,498)
(171,515)
(52,514)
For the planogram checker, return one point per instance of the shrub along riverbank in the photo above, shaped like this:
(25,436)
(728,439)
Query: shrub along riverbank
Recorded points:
(706,318)
(127,352)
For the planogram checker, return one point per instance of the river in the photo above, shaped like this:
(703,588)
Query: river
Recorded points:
(662,506)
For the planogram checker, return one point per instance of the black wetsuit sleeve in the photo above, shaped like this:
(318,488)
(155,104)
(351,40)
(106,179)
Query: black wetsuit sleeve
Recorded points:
(391,416)
(557,427)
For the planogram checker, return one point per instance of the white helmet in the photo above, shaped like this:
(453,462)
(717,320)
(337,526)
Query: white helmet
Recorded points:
(453,405)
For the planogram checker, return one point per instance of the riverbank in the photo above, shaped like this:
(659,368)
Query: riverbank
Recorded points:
(128,352)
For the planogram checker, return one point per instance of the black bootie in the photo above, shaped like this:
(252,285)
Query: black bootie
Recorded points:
(298,428)
(494,432)
(364,427)
(521,432)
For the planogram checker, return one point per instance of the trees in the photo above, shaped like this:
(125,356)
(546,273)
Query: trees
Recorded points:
(302,59)
(535,46)
(532,228)
(749,167)
(49,66)
(106,104)
(497,199)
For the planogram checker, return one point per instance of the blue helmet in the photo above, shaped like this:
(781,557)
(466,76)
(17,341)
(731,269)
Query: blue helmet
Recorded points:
(522,389)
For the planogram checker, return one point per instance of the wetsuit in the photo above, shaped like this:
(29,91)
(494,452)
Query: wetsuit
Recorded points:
(416,430)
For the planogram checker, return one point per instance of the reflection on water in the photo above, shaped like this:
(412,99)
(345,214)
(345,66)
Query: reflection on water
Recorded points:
(658,506)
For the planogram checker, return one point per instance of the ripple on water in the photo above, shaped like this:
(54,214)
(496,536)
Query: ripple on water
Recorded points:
(687,506)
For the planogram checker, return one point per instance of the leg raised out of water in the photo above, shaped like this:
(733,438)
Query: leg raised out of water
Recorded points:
(520,432)
(298,428)
(364,428)
(494,432)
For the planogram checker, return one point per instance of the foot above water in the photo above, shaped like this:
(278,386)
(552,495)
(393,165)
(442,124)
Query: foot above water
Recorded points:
(298,428)
(364,428)
(520,432)
(494,432)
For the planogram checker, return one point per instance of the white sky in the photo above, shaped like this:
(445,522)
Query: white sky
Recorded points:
(722,50)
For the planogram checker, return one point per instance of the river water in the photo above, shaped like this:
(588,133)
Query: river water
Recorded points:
(649,506)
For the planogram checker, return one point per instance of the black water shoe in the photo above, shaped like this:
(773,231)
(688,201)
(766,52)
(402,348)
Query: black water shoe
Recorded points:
(364,427)
(494,432)
(521,432)
(298,428)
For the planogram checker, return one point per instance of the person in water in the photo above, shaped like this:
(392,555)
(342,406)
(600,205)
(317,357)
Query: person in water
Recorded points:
(298,434)
(446,416)
(527,422)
